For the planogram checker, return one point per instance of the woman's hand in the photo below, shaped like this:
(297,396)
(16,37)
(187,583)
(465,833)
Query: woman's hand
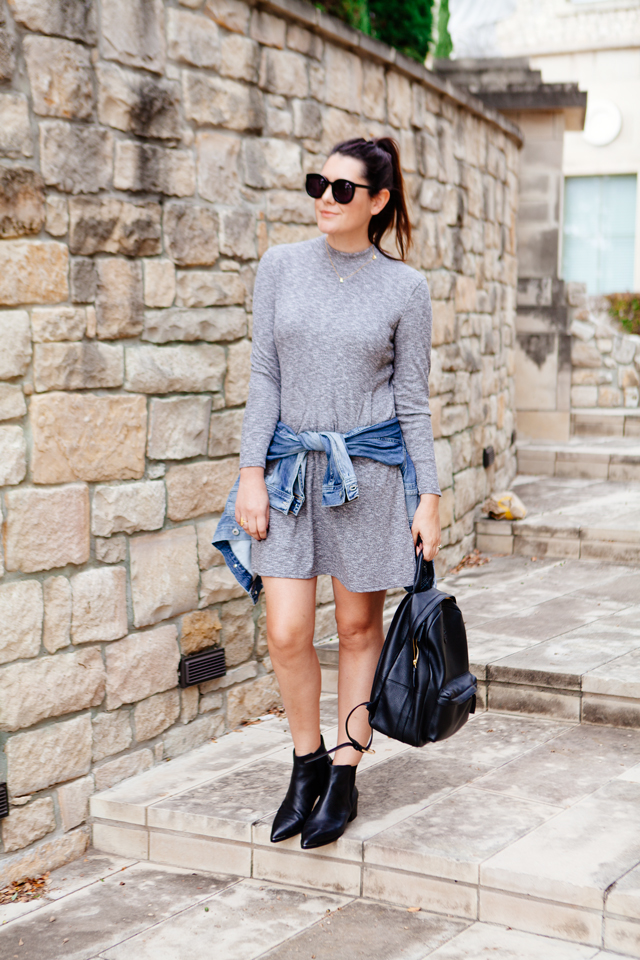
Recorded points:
(426,525)
(252,502)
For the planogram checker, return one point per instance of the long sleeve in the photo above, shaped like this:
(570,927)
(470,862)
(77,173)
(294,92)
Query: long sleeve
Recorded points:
(412,363)
(263,406)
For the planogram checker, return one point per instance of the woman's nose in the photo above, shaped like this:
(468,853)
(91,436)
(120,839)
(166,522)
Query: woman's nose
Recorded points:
(327,196)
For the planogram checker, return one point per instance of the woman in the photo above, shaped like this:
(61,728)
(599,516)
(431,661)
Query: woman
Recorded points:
(341,340)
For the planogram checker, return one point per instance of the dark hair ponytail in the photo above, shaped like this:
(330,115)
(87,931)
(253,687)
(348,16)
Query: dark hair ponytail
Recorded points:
(381,160)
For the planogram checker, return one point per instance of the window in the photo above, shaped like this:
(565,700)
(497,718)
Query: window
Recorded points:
(599,232)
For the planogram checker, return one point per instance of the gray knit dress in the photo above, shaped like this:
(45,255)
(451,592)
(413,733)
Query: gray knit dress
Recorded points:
(335,356)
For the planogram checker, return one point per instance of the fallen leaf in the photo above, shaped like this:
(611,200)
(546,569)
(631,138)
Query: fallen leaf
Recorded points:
(66,940)
(413,910)
(21,943)
(122,883)
(52,919)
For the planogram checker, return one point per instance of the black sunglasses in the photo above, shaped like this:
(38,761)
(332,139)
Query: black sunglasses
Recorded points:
(343,190)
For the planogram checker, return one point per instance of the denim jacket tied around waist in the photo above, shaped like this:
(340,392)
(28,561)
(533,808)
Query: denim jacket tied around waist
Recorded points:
(285,482)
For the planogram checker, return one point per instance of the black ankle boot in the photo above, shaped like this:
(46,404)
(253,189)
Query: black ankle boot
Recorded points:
(337,806)
(307,783)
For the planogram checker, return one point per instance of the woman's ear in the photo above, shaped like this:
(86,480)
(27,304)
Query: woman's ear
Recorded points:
(379,202)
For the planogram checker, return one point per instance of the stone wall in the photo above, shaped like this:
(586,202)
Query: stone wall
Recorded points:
(605,359)
(152,151)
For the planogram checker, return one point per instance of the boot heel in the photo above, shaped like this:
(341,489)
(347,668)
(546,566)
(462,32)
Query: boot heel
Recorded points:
(354,813)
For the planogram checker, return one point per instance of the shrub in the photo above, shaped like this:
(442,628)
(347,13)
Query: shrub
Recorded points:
(625,307)
(404,24)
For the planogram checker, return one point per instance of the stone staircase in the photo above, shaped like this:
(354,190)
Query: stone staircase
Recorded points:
(529,817)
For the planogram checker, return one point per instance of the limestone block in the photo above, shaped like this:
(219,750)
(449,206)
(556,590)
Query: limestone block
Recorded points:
(208,555)
(283,72)
(119,299)
(7,46)
(231,14)
(153,169)
(218,177)
(83,436)
(204,288)
(238,630)
(46,528)
(75,158)
(109,225)
(239,58)
(142,664)
(191,234)
(222,102)
(33,271)
(15,128)
(60,77)
(25,825)
(444,463)
(51,324)
(12,402)
(48,755)
(218,585)
(13,456)
(111,733)
(84,280)
(343,84)
(252,699)
(609,397)
(244,672)
(133,33)
(15,336)
(73,802)
(45,856)
(164,577)
(138,103)
(624,349)
(213,701)
(50,686)
(238,234)
(77,366)
(99,605)
(111,549)
(288,206)
(585,354)
(21,618)
(628,378)
(464,489)
(128,507)
(57,613)
(236,384)
(267,29)
(178,428)
(307,119)
(183,369)
(584,396)
(303,41)
(225,432)
(446,508)
(112,772)
(75,19)
(200,630)
(159,283)
(183,739)
(189,704)
(197,488)
(279,120)
(22,208)
(374,91)
(193,39)
(272,163)
(155,714)
(211,323)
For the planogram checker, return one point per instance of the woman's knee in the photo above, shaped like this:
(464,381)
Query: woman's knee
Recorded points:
(289,640)
(355,633)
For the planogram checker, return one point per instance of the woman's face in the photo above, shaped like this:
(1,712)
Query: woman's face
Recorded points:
(347,218)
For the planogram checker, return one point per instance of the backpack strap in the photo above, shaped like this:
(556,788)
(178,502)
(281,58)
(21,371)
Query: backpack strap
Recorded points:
(351,742)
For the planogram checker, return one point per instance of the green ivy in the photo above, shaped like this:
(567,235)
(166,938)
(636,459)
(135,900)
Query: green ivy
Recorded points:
(444,46)
(406,25)
(625,307)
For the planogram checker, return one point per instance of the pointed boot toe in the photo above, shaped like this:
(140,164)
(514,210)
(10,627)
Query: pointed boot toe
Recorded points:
(337,806)
(306,784)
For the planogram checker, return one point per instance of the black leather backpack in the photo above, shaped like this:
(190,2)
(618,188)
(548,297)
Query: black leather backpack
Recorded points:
(422,690)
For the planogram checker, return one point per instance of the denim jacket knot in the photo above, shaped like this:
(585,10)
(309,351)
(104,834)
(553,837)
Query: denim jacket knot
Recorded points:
(285,482)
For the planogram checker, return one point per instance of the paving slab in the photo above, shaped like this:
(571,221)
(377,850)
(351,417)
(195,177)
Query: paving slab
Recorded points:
(488,942)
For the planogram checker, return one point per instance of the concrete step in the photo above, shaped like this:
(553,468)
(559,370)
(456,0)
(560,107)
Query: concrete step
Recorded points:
(526,818)
(586,458)
(617,421)
(571,518)
(529,823)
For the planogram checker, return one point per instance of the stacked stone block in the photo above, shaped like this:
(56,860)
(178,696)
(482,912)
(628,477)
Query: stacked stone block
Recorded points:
(151,151)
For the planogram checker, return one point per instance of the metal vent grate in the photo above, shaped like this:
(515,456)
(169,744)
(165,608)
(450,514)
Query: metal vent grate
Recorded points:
(199,667)
(4,801)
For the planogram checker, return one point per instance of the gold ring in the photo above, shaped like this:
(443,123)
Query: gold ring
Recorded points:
(242,521)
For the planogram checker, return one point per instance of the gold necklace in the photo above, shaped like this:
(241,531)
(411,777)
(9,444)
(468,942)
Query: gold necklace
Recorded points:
(342,279)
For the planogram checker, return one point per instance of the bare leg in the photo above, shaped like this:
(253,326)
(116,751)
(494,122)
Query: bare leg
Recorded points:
(359,618)
(291,610)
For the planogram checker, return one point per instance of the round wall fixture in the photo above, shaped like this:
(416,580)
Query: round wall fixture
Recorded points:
(603,122)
